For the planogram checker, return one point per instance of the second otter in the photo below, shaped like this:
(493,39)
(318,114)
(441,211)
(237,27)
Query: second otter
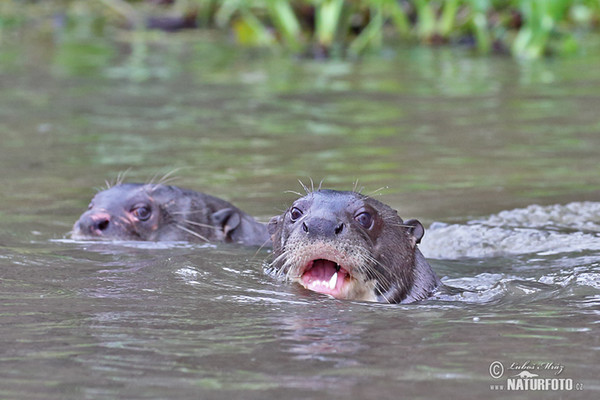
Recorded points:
(156,212)
(351,246)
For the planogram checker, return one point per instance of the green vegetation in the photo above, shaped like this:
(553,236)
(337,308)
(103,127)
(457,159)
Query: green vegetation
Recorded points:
(526,29)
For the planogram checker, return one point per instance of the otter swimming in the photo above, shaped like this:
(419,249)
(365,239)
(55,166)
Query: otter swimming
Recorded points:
(351,246)
(157,212)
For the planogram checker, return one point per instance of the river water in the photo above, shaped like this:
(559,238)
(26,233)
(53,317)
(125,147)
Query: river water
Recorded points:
(498,159)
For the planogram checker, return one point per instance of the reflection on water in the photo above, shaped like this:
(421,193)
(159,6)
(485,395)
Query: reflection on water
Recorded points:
(449,137)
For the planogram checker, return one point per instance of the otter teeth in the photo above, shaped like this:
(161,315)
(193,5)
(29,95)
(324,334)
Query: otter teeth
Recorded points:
(333,281)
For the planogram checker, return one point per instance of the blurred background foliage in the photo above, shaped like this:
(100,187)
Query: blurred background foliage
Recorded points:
(526,29)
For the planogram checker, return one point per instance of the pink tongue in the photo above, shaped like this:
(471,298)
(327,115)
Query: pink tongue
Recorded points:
(322,270)
(320,278)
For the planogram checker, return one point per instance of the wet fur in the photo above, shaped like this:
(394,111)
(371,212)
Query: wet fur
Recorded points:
(385,259)
(177,215)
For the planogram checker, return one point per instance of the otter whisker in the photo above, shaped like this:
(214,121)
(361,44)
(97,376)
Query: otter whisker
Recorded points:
(121,176)
(321,184)
(378,190)
(186,212)
(151,181)
(369,267)
(401,225)
(357,189)
(290,271)
(166,181)
(285,269)
(283,255)
(282,271)
(381,278)
(261,247)
(191,232)
(369,270)
(122,221)
(385,298)
(305,187)
(373,261)
(355,186)
(155,181)
(187,221)
(167,177)
(127,225)
(293,192)
(118,181)
(276,272)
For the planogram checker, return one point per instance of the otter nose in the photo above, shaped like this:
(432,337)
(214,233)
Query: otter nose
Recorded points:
(95,223)
(322,227)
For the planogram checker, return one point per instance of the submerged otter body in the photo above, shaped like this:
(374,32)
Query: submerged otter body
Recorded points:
(351,246)
(156,212)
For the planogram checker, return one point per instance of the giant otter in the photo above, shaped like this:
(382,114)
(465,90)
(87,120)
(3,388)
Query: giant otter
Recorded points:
(157,212)
(351,246)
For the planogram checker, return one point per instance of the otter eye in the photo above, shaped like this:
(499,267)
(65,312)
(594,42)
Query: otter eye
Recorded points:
(295,214)
(90,206)
(364,219)
(142,212)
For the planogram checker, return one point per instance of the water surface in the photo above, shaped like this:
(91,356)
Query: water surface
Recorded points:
(467,145)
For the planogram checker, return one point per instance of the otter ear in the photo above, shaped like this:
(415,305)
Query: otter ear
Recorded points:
(272,225)
(228,219)
(415,229)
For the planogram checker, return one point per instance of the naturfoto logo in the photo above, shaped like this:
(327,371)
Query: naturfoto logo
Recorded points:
(543,376)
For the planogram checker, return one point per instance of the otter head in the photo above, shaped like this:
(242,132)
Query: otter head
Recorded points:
(347,245)
(135,211)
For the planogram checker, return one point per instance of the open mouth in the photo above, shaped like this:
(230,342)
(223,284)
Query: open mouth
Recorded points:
(324,276)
